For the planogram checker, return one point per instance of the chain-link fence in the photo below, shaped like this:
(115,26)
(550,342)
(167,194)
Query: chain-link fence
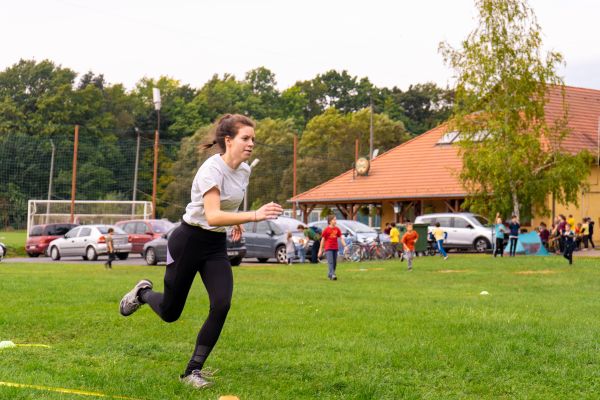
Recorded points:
(42,168)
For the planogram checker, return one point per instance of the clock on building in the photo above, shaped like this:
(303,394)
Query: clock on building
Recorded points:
(362,166)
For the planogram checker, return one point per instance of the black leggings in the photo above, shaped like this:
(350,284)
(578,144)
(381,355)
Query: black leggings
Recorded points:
(194,250)
(499,247)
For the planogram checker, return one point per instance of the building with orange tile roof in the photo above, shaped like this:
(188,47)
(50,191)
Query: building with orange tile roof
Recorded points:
(421,175)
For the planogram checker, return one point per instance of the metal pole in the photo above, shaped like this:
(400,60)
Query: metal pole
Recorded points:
(295,175)
(74,176)
(371,130)
(155,175)
(135,172)
(50,180)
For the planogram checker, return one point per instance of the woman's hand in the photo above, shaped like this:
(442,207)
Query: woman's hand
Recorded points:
(268,211)
(236,233)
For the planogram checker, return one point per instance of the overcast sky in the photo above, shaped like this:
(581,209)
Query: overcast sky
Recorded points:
(393,43)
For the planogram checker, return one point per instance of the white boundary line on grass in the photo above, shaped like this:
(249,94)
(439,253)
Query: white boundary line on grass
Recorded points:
(64,390)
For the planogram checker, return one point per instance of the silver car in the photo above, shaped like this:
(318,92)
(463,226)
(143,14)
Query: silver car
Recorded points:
(465,230)
(88,242)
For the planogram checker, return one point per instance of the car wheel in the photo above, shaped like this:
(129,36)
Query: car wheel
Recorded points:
(235,261)
(150,256)
(91,254)
(481,245)
(54,253)
(122,256)
(281,255)
(262,260)
(84,258)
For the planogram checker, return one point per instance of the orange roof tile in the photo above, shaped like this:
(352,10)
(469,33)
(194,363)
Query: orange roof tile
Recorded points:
(419,168)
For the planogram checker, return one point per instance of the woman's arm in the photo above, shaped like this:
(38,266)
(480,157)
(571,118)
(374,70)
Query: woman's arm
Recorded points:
(216,217)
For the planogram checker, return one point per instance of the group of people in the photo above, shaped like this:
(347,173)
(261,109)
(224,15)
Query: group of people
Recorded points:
(564,237)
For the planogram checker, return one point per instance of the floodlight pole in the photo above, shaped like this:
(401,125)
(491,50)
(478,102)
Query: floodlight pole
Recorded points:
(74,176)
(157,105)
(50,180)
(135,172)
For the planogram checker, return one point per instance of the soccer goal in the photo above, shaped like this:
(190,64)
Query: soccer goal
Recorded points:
(85,211)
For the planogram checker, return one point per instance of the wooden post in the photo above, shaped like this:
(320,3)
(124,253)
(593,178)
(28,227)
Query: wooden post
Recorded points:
(154,178)
(74,176)
(295,176)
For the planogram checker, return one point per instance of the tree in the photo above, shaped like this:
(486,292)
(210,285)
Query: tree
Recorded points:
(512,157)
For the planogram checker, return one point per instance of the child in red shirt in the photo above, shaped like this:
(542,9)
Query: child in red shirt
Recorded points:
(329,243)
(408,242)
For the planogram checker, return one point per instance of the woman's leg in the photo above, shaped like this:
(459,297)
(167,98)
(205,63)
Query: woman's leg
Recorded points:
(179,275)
(218,280)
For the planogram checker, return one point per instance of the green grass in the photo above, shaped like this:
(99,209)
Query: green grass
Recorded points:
(14,241)
(383,333)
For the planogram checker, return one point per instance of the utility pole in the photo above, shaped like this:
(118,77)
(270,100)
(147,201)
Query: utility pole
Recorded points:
(157,104)
(74,176)
(135,172)
(294,170)
(50,180)
(370,148)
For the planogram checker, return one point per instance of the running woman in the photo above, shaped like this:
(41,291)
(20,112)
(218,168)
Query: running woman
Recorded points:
(198,245)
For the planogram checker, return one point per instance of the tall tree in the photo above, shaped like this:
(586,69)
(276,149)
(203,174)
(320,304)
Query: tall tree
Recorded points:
(512,157)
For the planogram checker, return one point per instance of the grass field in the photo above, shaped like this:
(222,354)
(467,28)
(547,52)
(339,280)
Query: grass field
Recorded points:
(378,333)
(14,241)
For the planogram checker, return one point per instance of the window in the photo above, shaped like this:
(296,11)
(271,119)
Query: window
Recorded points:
(141,228)
(58,230)
(248,226)
(129,227)
(445,222)
(262,227)
(36,231)
(72,233)
(461,223)
(83,232)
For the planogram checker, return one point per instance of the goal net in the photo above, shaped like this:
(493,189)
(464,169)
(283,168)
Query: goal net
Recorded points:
(85,211)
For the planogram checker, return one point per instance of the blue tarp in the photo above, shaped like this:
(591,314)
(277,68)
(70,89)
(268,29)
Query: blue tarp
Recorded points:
(530,244)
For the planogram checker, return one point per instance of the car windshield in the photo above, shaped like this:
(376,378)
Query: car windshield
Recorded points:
(482,220)
(357,227)
(104,230)
(162,226)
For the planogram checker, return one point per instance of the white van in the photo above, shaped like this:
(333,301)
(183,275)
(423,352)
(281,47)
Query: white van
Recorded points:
(465,230)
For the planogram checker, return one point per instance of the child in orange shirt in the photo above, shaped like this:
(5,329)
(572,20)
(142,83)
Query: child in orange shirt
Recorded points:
(408,242)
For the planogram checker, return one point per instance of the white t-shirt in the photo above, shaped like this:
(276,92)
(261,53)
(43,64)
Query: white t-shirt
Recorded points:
(231,183)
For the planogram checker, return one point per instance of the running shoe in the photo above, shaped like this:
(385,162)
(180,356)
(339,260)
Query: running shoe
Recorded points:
(131,301)
(196,379)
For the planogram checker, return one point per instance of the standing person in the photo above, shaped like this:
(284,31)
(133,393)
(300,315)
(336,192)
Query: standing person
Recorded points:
(199,244)
(585,233)
(395,238)
(561,232)
(388,228)
(569,243)
(571,221)
(499,231)
(313,235)
(329,244)
(290,248)
(301,247)
(439,235)
(544,234)
(513,236)
(591,232)
(408,241)
(110,248)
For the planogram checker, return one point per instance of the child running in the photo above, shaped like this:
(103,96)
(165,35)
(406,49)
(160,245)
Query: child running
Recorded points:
(408,242)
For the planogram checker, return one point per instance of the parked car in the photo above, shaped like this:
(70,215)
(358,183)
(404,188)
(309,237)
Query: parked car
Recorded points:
(89,242)
(465,230)
(141,231)
(266,239)
(155,250)
(353,230)
(40,237)
(2,250)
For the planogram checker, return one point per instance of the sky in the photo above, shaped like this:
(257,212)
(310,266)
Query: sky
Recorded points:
(393,42)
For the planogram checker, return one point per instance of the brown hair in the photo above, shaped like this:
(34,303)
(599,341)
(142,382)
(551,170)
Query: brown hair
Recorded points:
(330,217)
(228,125)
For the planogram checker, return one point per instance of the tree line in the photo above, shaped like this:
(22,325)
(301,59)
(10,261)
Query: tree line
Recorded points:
(41,102)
